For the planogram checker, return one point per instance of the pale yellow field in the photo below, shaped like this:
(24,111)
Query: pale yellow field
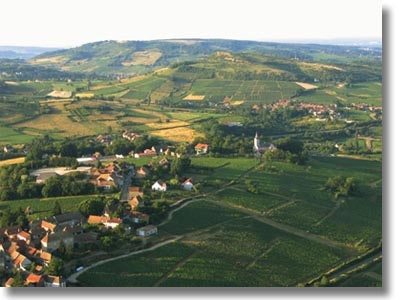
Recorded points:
(143,58)
(11,83)
(192,97)
(13,161)
(237,102)
(60,94)
(306,86)
(180,134)
(54,59)
(59,122)
(84,95)
(318,66)
(55,101)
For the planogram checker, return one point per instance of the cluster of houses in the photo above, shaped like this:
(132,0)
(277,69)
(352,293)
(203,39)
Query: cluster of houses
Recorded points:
(104,178)
(107,177)
(366,107)
(31,251)
(317,110)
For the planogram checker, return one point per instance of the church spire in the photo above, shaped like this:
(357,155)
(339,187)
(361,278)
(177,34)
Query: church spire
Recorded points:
(256,142)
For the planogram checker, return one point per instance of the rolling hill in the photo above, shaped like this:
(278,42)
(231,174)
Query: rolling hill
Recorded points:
(23,52)
(139,57)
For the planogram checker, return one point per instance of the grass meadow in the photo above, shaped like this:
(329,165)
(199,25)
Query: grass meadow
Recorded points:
(42,208)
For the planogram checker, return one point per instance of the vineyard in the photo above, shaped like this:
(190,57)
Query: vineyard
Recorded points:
(233,237)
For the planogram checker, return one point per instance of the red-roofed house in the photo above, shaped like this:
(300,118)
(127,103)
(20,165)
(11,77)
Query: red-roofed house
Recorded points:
(105,220)
(9,282)
(34,280)
(201,148)
(44,257)
(24,236)
(48,226)
(97,219)
(136,202)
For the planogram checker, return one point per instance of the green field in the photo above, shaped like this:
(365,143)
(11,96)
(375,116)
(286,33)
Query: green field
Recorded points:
(252,91)
(318,97)
(42,208)
(11,136)
(237,253)
(236,238)
(294,195)
(369,93)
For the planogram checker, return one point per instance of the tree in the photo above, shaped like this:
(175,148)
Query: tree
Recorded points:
(19,280)
(56,267)
(106,242)
(251,186)
(179,165)
(341,186)
(91,207)
(290,144)
(69,149)
(52,187)
(62,249)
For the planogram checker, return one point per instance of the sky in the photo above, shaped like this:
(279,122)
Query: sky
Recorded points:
(71,23)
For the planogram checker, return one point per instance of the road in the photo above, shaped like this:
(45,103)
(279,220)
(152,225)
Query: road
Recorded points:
(125,186)
(72,278)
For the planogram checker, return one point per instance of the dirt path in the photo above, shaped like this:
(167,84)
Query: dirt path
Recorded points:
(337,206)
(172,270)
(289,229)
(73,277)
(270,247)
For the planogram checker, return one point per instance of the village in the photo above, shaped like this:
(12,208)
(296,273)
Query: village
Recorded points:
(34,251)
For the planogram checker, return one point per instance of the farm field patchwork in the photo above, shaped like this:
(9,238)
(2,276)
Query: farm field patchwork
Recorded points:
(282,219)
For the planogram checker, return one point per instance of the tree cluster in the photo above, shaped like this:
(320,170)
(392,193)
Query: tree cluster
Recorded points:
(341,186)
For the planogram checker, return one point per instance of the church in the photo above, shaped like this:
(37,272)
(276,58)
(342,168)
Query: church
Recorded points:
(260,149)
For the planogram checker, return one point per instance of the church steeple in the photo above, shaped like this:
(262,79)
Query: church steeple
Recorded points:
(256,142)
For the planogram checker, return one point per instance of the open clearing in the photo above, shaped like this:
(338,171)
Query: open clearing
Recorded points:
(12,161)
(143,58)
(177,134)
(307,86)
(192,97)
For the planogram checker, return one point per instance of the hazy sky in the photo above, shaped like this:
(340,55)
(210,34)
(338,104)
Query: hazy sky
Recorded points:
(70,23)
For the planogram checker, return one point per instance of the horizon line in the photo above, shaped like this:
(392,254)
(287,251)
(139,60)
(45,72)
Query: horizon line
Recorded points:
(332,41)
